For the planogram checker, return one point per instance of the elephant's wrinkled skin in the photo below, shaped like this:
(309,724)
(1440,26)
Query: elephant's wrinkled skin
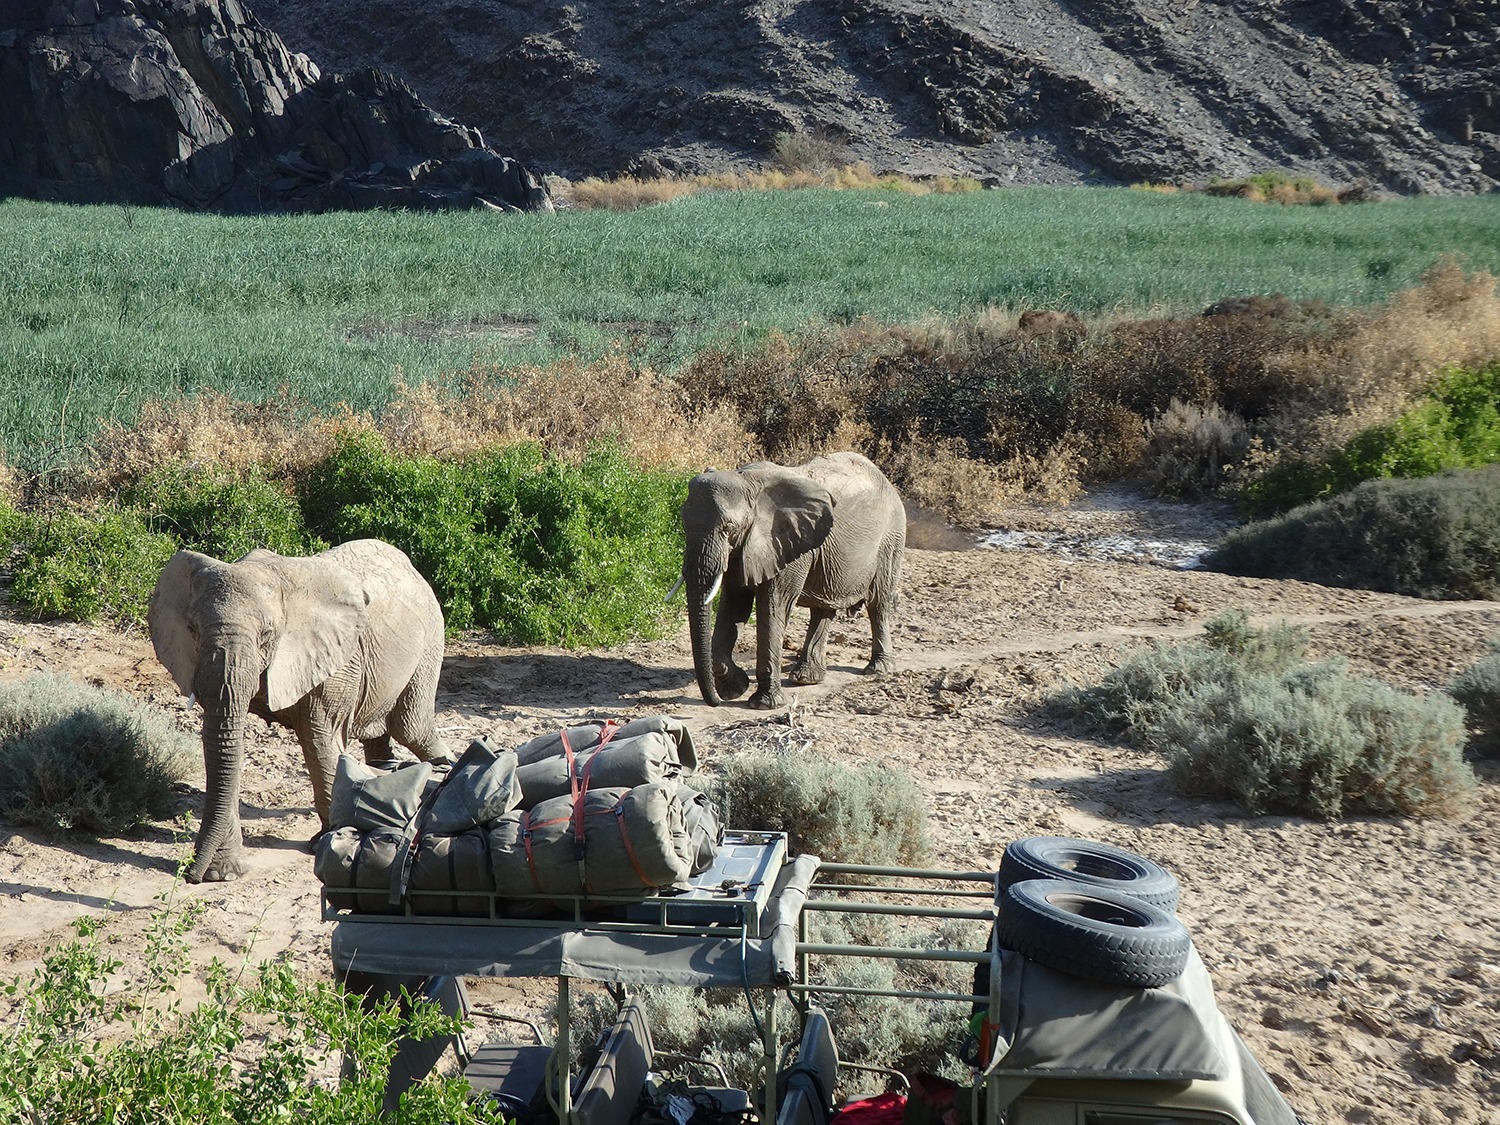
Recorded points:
(340,647)
(827,535)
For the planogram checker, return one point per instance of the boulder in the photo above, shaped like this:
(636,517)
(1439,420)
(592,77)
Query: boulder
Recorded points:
(195,104)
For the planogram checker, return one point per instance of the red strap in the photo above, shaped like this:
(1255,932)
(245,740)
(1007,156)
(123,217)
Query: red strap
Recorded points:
(619,814)
(526,831)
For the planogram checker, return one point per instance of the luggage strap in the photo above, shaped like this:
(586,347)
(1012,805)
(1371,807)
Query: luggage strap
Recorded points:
(578,782)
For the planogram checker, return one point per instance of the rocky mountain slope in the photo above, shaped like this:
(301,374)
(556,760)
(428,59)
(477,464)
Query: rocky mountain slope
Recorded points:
(1401,94)
(195,103)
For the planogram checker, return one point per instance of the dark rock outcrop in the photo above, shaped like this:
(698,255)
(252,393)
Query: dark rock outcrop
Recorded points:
(194,103)
(1401,94)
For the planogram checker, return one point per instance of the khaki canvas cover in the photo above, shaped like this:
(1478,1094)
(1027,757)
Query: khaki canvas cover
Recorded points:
(452,863)
(586,736)
(623,761)
(481,787)
(621,841)
(348,858)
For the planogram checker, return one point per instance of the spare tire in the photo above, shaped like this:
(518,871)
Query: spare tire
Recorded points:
(1093,932)
(1087,861)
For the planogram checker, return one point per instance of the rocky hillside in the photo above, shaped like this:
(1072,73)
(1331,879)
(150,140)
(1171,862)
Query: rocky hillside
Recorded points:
(1401,94)
(195,103)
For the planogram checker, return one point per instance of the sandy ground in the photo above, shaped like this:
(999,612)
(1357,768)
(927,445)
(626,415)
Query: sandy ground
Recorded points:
(1358,959)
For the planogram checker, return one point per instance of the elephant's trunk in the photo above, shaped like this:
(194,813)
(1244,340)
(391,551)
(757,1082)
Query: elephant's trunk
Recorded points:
(225,682)
(224,760)
(703,570)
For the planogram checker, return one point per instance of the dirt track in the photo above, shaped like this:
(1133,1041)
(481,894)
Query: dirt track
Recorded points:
(1357,959)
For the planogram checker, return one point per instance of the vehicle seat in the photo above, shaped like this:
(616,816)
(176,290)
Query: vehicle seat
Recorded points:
(608,1092)
(805,1088)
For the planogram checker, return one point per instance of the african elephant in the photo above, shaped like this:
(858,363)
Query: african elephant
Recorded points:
(341,646)
(828,535)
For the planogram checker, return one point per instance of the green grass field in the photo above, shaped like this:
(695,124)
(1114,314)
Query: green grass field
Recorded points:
(104,307)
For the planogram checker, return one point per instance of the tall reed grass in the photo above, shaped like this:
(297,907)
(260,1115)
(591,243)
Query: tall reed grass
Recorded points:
(105,308)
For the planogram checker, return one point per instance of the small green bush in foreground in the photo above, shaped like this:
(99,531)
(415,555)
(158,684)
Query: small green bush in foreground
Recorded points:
(1437,537)
(868,814)
(73,756)
(1239,716)
(76,1049)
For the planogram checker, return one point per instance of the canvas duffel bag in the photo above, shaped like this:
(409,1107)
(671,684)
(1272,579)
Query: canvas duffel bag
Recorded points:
(587,736)
(622,841)
(621,763)
(347,858)
(452,863)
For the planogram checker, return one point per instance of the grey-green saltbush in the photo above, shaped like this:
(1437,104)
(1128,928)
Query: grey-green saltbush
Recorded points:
(1315,741)
(73,756)
(869,814)
(1239,716)
(909,1034)
(1477,690)
(1434,537)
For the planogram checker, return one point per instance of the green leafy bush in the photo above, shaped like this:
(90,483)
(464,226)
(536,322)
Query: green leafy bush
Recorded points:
(867,814)
(1477,690)
(1456,426)
(1240,716)
(73,756)
(537,549)
(78,1050)
(69,564)
(1436,537)
(221,512)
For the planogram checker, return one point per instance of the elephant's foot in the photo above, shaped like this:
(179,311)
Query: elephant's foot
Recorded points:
(880,666)
(225,867)
(732,683)
(768,699)
(806,672)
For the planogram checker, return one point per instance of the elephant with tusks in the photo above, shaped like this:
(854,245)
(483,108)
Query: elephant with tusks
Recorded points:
(827,535)
(340,647)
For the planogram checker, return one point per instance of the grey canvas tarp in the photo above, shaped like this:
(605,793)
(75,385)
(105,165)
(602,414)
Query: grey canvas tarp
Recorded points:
(586,736)
(617,841)
(1049,1024)
(624,761)
(635,955)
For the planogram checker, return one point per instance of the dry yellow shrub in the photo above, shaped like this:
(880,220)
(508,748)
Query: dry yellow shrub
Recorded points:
(939,474)
(211,428)
(565,407)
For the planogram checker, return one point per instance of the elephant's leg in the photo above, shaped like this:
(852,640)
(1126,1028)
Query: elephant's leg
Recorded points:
(377,749)
(230,861)
(321,747)
(881,605)
(412,721)
(730,680)
(773,605)
(812,666)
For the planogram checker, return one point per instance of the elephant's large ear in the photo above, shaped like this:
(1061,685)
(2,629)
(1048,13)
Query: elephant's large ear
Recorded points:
(167,616)
(793,515)
(325,619)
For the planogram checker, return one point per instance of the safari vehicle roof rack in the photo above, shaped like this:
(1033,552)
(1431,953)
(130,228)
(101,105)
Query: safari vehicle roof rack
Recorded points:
(1058,1049)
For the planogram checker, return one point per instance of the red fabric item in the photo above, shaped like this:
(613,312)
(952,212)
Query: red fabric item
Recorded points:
(883,1109)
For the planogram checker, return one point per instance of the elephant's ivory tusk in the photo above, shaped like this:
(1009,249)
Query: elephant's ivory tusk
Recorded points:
(672,593)
(713,593)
